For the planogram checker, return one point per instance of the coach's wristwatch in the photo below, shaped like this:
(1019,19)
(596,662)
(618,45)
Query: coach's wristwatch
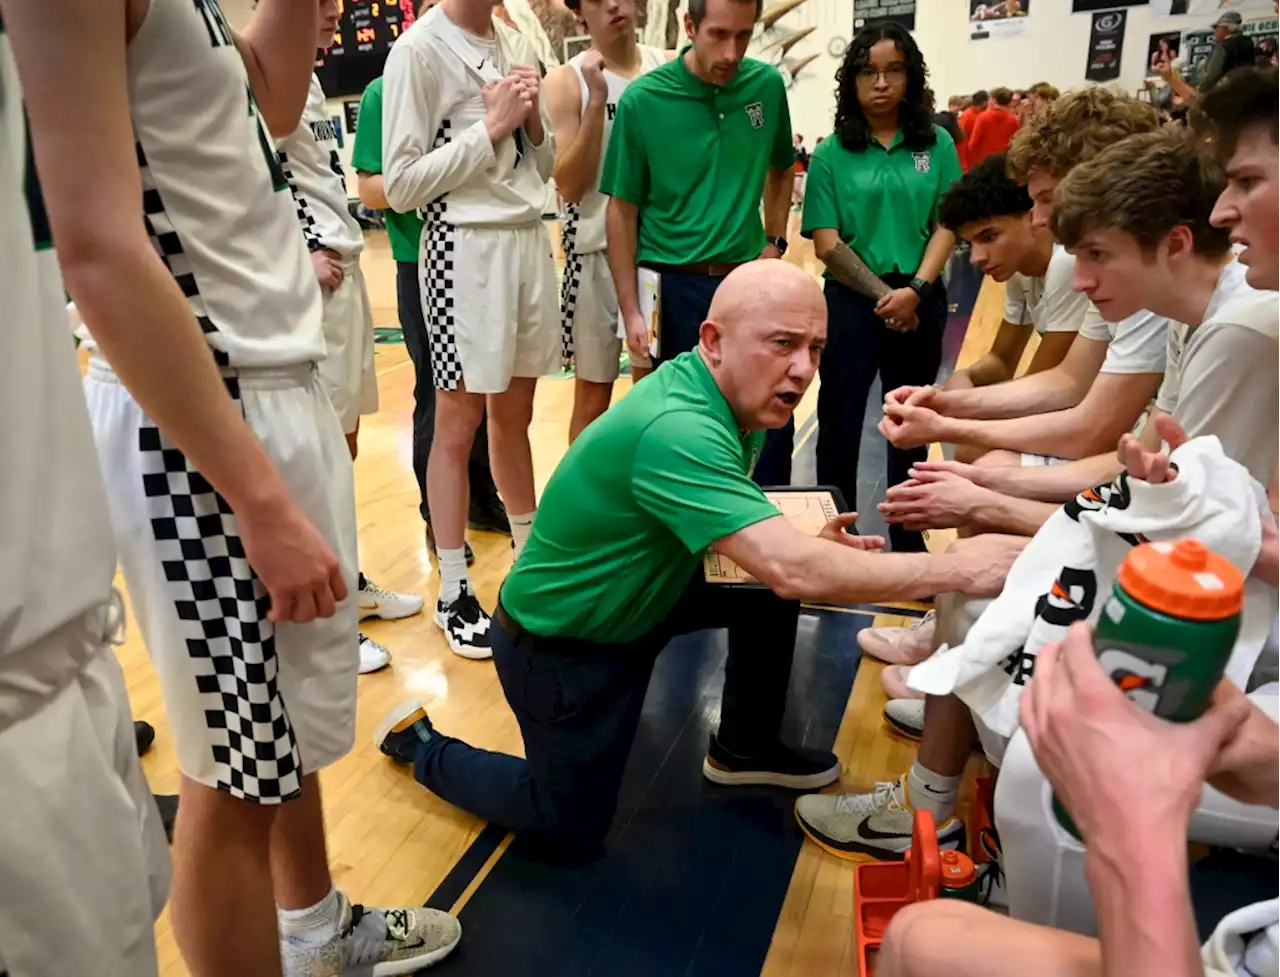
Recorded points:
(921,287)
(778,242)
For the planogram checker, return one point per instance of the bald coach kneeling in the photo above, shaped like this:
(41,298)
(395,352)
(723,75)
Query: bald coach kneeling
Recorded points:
(613,571)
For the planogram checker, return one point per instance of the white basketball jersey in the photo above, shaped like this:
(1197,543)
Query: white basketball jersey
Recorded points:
(309,157)
(216,201)
(56,551)
(584,221)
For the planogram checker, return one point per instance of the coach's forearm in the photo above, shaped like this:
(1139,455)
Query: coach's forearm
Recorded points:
(826,572)
(145,330)
(621,220)
(1142,900)
(371,191)
(778,184)
(941,243)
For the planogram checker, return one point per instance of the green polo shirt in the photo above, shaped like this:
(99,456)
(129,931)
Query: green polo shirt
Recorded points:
(403,230)
(883,202)
(632,507)
(693,156)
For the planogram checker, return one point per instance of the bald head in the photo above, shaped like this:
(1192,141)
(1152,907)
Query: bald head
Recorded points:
(760,290)
(762,339)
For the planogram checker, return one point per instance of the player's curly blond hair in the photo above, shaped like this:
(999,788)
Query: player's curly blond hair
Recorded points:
(1076,128)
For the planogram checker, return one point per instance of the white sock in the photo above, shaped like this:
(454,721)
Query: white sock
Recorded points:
(932,792)
(520,528)
(314,926)
(453,572)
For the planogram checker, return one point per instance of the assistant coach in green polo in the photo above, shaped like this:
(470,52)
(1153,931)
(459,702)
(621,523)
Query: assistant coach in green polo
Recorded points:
(696,146)
(614,569)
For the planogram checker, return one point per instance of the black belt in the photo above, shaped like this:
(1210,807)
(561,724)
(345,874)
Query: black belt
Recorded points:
(712,269)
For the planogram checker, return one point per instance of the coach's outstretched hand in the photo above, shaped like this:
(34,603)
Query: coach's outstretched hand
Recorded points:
(837,531)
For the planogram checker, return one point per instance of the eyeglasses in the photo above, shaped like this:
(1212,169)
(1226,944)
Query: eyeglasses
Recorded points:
(895,72)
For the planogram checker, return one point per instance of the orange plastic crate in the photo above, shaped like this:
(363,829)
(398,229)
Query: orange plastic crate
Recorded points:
(880,889)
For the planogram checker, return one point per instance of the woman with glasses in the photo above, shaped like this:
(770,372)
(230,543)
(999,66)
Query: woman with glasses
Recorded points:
(871,202)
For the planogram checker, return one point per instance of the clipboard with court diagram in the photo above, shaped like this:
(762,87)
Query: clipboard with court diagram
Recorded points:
(808,509)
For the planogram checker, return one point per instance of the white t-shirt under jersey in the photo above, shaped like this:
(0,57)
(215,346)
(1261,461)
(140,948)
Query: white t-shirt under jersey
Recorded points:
(584,230)
(216,200)
(56,551)
(436,153)
(1222,376)
(1048,303)
(309,156)
(1134,345)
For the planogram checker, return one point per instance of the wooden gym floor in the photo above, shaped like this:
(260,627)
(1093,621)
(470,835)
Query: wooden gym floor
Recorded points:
(390,841)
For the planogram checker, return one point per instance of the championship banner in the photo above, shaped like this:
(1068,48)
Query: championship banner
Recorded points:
(867,12)
(1106,41)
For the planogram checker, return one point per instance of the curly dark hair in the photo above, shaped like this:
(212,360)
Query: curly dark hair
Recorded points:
(984,192)
(915,112)
(1244,98)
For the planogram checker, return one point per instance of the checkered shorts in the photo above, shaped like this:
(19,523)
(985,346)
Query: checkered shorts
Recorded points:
(253,705)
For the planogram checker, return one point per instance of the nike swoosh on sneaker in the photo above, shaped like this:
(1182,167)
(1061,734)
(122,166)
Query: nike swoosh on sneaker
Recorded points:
(866,831)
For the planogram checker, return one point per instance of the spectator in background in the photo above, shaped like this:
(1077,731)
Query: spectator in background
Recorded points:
(950,119)
(802,167)
(993,129)
(1231,49)
(871,207)
(977,105)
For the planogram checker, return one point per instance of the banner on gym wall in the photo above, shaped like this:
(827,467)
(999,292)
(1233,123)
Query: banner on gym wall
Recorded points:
(877,11)
(1211,8)
(997,19)
(1163,48)
(1106,40)
(1089,6)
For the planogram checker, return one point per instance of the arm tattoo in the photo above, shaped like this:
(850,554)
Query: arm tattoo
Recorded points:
(851,270)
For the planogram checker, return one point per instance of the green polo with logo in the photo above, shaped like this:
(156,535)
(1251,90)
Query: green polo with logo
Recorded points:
(883,202)
(632,507)
(692,157)
(403,230)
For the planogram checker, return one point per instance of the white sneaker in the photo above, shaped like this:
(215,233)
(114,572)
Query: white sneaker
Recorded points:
(876,825)
(373,656)
(377,601)
(905,716)
(900,646)
(376,943)
(465,625)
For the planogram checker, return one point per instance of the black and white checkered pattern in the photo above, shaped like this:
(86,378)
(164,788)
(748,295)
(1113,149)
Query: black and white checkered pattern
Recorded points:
(570,284)
(164,238)
(438,255)
(305,217)
(223,609)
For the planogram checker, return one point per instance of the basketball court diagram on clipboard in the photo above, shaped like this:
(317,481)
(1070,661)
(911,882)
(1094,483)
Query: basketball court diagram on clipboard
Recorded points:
(807,509)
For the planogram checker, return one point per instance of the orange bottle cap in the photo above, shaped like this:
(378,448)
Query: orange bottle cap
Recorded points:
(957,870)
(1183,579)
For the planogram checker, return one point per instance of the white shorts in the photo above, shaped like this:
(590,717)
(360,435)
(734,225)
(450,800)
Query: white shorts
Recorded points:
(347,370)
(489,299)
(1042,461)
(83,854)
(589,317)
(253,705)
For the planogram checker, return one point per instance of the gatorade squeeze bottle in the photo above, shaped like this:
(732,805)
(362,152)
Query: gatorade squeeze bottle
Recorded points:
(1167,630)
(958,878)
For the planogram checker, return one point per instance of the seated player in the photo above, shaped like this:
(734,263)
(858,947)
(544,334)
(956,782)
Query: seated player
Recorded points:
(309,159)
(1131,782)
(993,213)
(614,569)
(1100,389)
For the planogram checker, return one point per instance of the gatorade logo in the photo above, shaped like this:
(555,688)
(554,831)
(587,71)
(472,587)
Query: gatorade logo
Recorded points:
(1070,599)
(1142,681)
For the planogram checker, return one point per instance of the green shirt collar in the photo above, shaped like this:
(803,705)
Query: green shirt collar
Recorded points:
(694,83)
(715,397)
(894,143)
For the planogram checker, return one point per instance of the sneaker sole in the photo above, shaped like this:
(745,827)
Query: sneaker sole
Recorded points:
(858,852)
(393,719)
(377,611)
(462,651)
(411,965)
(905,732)
(376,668)
(764,778)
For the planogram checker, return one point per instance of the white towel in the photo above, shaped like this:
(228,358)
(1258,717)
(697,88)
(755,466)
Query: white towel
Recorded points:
(1067,571)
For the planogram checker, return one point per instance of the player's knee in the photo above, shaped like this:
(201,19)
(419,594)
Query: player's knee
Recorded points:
(920,937)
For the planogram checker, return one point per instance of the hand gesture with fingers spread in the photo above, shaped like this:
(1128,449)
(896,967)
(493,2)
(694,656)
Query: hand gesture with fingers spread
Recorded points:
(836,531)
(1152,466)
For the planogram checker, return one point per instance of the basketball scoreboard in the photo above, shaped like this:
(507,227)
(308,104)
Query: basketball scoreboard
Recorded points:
(366,31)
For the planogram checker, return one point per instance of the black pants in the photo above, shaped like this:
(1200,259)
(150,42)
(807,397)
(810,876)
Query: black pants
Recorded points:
(414,327)
(860,346)
(578,705)
(686,300)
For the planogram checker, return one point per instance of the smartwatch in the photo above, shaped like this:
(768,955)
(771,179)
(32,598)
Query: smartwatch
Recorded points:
(921,287)
(778,242)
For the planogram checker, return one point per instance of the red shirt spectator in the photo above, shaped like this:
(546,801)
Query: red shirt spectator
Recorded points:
(991,133)
(968,118)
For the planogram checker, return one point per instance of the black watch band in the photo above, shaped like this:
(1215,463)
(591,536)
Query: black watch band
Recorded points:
(780,243)
(921,287)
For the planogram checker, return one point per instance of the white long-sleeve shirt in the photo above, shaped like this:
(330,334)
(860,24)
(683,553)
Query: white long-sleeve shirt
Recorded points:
(435,148)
